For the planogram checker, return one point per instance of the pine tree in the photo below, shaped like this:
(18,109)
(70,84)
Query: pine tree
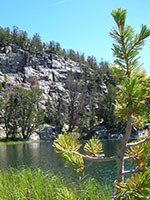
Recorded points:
(130,100)
(130,103)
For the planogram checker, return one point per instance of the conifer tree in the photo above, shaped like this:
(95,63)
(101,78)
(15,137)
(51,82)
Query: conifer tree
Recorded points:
(130,101)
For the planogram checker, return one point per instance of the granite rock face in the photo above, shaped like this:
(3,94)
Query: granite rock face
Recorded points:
(47,71)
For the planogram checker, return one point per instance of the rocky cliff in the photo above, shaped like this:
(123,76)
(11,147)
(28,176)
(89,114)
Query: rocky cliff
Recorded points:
(48,71)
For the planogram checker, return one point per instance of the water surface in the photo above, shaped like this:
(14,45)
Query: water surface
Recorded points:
(42,155)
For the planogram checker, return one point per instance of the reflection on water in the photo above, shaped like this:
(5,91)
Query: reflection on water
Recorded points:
(42,155)
(105,170)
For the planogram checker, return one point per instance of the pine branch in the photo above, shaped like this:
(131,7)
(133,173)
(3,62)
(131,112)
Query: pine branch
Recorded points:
(129,157)
(97,159)
(132,171)
(137,143)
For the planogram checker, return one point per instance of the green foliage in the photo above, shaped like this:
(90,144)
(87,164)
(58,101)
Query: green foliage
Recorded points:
(58,49)
(131,99)
(66,143)
(21,112)
(68,147)
(55,110)
(93,190)
(9,115)
(31,116)
(137,187)
(133,90)
(119,17)
(106,105)
(92,62)
(74,161)
(75,105)
(5,36)
(130,105)
(98,106)
(34,184)
(65,194)
(128,44)
(93,147)
(3,142)
(24,40)
(72,54)
(36,43)
(140,154)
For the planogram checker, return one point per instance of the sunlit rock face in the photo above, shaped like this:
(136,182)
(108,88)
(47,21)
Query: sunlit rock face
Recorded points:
(47,71)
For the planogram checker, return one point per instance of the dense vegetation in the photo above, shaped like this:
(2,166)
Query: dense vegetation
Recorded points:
(34,184)
(21,113)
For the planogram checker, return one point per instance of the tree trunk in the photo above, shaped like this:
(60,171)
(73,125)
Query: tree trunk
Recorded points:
(122,149)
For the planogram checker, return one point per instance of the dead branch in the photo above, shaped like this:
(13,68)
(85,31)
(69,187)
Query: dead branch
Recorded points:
(132,171)
(129,157)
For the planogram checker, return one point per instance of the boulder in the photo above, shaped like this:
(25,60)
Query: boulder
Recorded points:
(47,133)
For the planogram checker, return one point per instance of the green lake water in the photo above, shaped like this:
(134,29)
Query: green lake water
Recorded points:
(42,155)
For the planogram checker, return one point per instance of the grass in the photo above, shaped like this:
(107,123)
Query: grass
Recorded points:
(29,184)
(13,142)
(10,142)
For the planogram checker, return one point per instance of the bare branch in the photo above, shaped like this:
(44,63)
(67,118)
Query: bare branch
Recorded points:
(132,171)
(137,143)
(97,159)
(129,157)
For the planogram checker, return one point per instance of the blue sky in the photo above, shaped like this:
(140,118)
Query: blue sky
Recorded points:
(82,25)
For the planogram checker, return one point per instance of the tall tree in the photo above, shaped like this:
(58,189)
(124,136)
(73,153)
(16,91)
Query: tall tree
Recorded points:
(130,101)
(52,47)
(20,112)
(9,115)
(36,43)
(24,41)
(5,37)
(72,54)
(15,35)
(30,113)
(58,49)
(75,93)
(55,110)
